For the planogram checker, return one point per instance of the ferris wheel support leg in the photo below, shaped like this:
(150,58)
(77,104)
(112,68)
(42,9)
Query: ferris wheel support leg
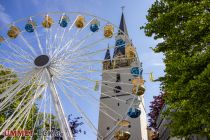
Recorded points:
(63,123)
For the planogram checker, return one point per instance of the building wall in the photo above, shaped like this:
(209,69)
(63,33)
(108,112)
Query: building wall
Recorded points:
(164,132)
(138,126)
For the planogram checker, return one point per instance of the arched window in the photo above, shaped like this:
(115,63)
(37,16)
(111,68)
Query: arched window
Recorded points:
(118,78)
(117,89)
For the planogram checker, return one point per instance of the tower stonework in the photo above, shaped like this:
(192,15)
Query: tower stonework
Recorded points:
(117,89)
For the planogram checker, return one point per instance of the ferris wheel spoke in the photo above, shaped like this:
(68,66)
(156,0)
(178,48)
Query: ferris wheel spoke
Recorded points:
(50,125)
(55,47)
(103,93)
(111,88)
(91,80)
(91,96)
(72,70)
(38,41)
(66,46)
(47,41)
(115,127)
(12,62)
(18,84)
(7,78)
(91,53)
(61,49)
(77,33)
(94,99)
(55,38)
(18,98)
(28,44)
(92,44)
(11,120)
(39,111)
(73,102)
(18,122)
(97,101)
(44,117)
(25,120)
(17,56)
(79,43)
(17,49)
(88,54)
(67,133)
(22,101)
(62,36)
(49,37)
(84,88)
(94,61)
(25,114)
(55,71)
(14,93)
(68,54)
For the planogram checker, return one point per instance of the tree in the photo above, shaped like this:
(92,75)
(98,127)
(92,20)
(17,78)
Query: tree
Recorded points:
(7,79)
(184,26)
(75,124)
(155,110)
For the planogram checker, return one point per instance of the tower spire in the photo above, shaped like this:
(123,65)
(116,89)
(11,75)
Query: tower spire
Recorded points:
(121,40)
(123,26)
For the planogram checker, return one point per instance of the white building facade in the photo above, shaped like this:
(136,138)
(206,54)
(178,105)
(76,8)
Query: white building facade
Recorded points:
(118,120)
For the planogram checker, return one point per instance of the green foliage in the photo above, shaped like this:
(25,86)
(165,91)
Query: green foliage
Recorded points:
(184,26)
(7,79)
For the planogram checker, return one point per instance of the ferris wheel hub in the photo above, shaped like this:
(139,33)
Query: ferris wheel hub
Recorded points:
(42,61)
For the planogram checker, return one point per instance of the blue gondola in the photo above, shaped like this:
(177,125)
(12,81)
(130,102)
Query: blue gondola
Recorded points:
(135,71)
(30,26)
(94,25)
(64,21)
(134,112)
(120,43)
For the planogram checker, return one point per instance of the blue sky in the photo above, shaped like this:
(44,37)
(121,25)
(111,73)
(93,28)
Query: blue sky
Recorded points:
(135,14)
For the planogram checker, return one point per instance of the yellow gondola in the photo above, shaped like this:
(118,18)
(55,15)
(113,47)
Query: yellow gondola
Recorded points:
(96,88)
(140,90)
(138,81)
(13,32)
(124,123)
(47,22)
(80,22)
(1,39)
(122,135)
(130,51)
(108,31)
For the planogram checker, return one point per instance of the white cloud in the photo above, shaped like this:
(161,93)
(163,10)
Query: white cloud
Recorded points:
(4,17)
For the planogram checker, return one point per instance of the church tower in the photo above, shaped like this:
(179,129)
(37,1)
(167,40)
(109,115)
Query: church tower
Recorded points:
(122,85)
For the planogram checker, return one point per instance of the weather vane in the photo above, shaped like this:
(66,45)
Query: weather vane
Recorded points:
(123,7)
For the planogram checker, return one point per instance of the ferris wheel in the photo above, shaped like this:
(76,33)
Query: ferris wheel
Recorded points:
(58,62)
